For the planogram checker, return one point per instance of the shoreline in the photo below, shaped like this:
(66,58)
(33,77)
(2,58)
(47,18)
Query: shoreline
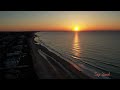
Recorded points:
(39,62)
(59,63)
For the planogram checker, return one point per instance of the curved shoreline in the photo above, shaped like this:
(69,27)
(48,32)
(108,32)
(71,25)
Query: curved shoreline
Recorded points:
(72,71)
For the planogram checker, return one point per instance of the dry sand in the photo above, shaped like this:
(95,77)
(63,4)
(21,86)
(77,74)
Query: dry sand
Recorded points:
(50,66)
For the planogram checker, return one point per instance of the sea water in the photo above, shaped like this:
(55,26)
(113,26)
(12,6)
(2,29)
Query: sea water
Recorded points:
(96,53)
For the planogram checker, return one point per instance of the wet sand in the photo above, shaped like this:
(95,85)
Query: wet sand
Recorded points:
(22,59)
(50,66)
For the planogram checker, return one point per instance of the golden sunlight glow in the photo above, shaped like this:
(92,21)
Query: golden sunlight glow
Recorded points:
(76,28)
(76,46)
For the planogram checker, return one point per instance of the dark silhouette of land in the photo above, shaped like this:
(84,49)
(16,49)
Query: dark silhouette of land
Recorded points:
(15,58)
(21,58)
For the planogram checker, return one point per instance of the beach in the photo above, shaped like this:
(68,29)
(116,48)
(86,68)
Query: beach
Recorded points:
(22,58)
(48,65)
(59,45)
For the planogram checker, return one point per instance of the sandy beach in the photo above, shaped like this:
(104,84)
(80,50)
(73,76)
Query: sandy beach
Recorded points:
(38,45)
(50,66)
(22,58)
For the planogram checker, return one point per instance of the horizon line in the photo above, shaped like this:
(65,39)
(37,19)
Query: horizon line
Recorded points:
(59,31)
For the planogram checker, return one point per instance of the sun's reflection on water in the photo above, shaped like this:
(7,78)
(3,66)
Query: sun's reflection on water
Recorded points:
(76,46)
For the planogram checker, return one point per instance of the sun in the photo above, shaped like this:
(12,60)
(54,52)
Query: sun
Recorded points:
(76,28)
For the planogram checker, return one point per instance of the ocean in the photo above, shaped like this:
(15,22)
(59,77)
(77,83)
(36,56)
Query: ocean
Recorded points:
(96,53)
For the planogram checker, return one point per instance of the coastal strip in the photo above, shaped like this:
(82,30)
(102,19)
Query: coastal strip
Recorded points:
(22,59)
(48,65)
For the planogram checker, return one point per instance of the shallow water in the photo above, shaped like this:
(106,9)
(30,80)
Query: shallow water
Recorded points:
(96,53)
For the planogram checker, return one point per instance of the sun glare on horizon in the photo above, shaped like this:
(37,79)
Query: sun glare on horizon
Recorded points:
(76,28)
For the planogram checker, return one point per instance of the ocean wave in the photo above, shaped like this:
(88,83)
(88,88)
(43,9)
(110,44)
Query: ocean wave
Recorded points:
(90,60)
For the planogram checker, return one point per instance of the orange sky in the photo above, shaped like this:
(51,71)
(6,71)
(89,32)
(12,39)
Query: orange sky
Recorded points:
(64,28)
(59,20)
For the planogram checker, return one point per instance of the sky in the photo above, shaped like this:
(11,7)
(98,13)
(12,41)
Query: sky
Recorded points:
(59,20)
